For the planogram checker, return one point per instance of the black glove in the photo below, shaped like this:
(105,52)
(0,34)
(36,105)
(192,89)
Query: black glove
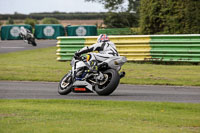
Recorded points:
(77,54)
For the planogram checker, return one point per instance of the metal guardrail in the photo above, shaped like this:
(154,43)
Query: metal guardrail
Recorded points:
(178,48)
(67,46)
(139,48)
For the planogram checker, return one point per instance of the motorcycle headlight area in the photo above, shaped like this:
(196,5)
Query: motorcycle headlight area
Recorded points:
(120,61)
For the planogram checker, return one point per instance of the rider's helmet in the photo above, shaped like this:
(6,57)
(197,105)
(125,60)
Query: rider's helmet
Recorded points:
(102,38)
(23,31)
(22,28)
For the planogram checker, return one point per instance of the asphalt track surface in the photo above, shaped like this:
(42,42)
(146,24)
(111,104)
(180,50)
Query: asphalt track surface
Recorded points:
(19,45)
(48,90)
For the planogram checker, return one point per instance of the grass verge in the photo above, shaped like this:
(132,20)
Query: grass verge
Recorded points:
(77,116)
(41,65)
(32,65)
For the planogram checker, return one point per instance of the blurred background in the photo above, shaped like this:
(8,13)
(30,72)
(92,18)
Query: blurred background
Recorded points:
(130,17)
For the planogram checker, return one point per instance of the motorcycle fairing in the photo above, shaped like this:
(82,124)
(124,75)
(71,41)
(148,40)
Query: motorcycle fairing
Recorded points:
(83,84)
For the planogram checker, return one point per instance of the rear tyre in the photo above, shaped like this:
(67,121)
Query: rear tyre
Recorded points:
(33,42)
(65,85)
(109,84)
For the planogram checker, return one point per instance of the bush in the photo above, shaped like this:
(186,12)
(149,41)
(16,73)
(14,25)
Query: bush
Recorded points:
(121,20)
(10,21)
(50,21)
(170,17)
(31,22)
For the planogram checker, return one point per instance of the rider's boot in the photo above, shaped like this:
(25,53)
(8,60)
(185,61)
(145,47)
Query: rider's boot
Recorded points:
(93,66)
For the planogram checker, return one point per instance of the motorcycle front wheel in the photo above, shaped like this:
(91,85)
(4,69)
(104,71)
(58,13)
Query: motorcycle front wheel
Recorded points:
(65,85)
(109,84)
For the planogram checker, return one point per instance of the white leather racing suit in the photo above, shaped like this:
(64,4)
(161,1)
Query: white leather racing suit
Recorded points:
(23,31)
(106,50)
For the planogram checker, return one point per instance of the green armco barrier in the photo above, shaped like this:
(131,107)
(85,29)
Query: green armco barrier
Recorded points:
(133,47)
(11,32)
(48,31)
(185,48)
(67,47)
(87,30)
(176,48)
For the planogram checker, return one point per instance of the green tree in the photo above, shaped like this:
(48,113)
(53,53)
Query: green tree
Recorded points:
(50,21)
(120,20)
(31,21)
(121,13)
(118,5)
(170,17)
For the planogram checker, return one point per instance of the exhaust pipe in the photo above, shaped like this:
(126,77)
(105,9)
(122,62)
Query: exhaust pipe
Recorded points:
(122,74)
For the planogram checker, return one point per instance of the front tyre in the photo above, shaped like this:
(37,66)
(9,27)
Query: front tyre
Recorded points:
(110,83)
(65,85)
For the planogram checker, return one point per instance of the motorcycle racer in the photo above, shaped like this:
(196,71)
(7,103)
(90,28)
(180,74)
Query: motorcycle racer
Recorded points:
(98,73)
(27,36)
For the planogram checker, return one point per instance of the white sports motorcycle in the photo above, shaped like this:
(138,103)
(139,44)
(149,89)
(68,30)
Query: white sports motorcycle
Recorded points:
(100,77)
(27,36)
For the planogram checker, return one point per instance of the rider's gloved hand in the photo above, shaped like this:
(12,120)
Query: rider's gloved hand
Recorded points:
(77,54)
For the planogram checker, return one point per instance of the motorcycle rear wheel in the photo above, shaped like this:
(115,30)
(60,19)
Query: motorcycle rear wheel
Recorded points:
(110,84)
(65,85)
(33,42)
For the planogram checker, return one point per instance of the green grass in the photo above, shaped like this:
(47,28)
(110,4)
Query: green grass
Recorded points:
(41,65)
(76,116)
(33,65)
(154,74)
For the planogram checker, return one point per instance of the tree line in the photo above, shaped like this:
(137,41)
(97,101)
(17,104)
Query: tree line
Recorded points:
(57,15)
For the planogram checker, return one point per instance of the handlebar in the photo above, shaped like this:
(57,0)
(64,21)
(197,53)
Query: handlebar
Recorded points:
(80,58)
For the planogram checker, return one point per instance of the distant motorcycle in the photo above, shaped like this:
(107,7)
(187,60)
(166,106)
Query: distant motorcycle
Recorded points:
(100,77)
(27,36)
